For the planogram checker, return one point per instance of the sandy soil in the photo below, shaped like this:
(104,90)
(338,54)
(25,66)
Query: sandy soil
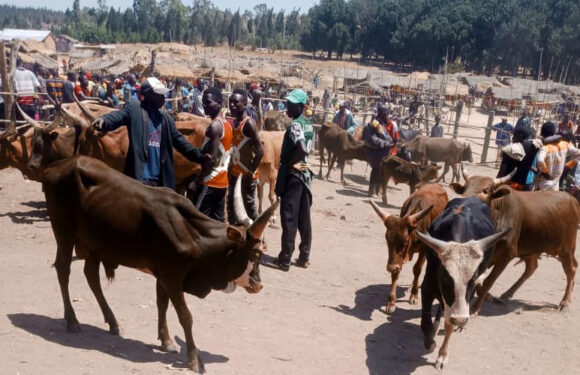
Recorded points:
(328,319)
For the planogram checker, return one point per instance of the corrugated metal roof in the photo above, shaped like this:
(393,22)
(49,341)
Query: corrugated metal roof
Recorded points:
(10,34)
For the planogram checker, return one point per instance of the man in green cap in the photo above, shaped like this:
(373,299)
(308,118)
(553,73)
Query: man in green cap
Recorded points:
(293,183)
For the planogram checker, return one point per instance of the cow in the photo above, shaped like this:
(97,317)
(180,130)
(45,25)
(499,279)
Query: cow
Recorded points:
(112,219)
(340,145)
(403,171)
(533,233)
(268,168)
(461,242)
(15,152)
(447,150)
(417,213)
(542,222)
(275,120)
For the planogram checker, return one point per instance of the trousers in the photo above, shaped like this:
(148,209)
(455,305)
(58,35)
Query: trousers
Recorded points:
(295,216)
(249,186)
(210,201)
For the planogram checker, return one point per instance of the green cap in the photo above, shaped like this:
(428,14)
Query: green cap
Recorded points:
(297,96)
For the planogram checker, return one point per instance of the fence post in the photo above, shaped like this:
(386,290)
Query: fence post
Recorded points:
(457,118)
(426,119)
(487,137)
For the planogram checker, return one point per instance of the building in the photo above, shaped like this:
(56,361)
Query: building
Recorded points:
(42,36)
(65,44)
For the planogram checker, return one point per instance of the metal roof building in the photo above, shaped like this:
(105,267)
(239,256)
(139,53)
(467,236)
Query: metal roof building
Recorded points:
(11,34)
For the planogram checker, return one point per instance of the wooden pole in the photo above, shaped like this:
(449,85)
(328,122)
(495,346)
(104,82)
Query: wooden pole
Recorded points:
(487,137)
(457,118)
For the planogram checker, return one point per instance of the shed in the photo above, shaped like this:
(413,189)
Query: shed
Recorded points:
(44,36)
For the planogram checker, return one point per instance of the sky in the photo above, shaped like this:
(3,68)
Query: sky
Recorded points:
(221,4)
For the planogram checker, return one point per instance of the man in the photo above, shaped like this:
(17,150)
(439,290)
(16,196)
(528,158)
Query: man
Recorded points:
(344,118)
(326,99)
(524,120)
(504,130)
(69,88)
(55,87)
(152,136)
(26,86)
(293,183)
(437,129)
(414,106)
(252,108)
(247,154)
(210,192)
(521,156)
(386,121)
(552,158)
(129,90)
(565,124)
(198,107)
(377,144)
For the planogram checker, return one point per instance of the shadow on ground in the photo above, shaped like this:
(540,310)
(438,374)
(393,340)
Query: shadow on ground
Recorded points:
(94,338)
(39,213)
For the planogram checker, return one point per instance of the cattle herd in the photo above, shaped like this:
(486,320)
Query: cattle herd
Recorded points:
(465,242)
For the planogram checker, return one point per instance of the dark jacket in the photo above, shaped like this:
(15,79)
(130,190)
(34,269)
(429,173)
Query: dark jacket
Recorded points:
(68,92)
(523,167)
(135,117)
(376,144)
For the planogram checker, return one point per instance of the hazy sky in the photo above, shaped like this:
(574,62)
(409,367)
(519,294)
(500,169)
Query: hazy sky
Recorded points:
(222,4)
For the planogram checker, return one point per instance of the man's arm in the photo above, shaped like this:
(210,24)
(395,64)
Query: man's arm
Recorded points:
(251,131)
(181,144)
(115,119)
(541,162)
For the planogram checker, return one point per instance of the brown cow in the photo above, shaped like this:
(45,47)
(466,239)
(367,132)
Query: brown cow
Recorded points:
(340,145)
(112,219)
(15,152)
(275,120)
(447,150)
(537,223)
(418,212)
(541,222)
(268,168)
(407,172)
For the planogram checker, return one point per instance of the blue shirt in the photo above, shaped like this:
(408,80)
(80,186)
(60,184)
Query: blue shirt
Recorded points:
(152,167)
(503,133)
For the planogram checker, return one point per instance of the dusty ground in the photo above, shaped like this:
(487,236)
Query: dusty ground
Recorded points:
(328,319)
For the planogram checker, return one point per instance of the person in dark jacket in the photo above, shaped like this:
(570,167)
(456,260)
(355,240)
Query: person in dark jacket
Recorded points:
(377,145)
(152,136)
(520,154)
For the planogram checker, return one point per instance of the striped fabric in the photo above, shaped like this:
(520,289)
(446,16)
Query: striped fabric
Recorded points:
(551,160)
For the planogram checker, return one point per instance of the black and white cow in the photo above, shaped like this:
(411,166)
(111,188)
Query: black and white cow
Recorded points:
(462,239)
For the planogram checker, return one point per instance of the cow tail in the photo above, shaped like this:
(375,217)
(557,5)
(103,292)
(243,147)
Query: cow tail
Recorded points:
(110,271)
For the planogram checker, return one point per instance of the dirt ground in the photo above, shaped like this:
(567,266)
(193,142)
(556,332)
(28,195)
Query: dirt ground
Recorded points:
(328,319)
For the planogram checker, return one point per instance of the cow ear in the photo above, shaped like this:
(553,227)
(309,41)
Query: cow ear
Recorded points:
(457,187)
(235,235)
(500,193)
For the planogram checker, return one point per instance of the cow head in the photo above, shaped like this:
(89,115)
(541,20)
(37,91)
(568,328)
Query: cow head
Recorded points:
(479,186)
(466,154)
(399,236)
(52,143)
(462,264)
(428,172)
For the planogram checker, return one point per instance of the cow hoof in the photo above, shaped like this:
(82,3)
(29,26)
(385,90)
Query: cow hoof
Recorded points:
(564,305)
(413,299)
(440,363)
(169,348)
(197,366)
(390,309)
(506,296)
(115,331)
(430,345)
(73,327)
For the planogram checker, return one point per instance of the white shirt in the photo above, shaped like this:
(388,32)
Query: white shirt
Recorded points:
(25,82)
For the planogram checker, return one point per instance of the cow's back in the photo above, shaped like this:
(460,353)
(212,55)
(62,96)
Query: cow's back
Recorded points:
(442,149)
(425,196)
(194,131)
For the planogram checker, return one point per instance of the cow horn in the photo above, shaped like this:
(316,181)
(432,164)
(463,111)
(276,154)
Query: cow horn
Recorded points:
(489,241)
(239,208)
(84,109)
(437,245)
(465,173)
(505,179)
(257,228)
(384,215)
(28,119)
(416,218)
(76,119)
